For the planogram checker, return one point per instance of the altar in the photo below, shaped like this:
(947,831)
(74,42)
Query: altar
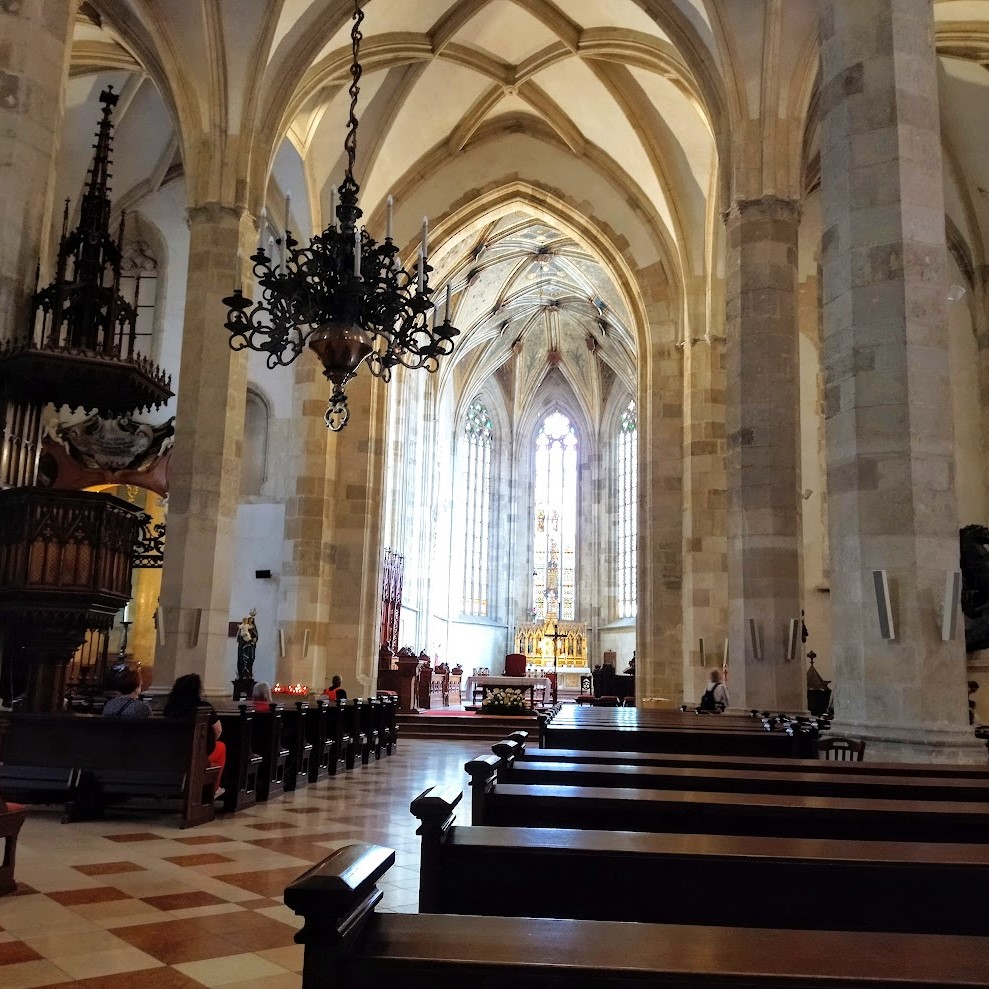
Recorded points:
(543,687)
(535,641)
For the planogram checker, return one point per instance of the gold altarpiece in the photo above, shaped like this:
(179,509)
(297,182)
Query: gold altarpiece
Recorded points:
(535,641)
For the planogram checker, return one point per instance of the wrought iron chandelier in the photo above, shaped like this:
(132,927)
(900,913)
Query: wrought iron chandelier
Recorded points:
(345,296)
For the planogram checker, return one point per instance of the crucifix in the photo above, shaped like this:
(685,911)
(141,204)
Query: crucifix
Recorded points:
(556,635)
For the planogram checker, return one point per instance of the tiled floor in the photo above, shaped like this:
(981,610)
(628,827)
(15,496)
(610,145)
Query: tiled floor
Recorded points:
(135,903)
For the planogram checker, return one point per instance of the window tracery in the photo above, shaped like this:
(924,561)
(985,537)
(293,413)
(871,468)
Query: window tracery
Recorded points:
(478,442)
(555,520)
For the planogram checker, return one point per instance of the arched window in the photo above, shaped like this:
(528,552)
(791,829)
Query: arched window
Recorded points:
(254,462)
(139,286)
(555,520)
(477,488)
(627,516)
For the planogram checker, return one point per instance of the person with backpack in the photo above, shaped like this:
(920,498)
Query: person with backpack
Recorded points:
(715,699)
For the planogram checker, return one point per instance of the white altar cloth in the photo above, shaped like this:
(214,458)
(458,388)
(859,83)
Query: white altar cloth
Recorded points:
(503,681)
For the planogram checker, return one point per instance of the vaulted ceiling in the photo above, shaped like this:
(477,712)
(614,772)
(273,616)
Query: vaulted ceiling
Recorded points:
(627,122)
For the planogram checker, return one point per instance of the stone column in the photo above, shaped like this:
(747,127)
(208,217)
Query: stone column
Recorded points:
(303,606)
(352,552)
(35,42)
(890,432)
(705,594)
(763,463)
(659,626)
(204,475)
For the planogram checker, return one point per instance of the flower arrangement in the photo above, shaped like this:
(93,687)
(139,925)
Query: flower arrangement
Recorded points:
(505,700)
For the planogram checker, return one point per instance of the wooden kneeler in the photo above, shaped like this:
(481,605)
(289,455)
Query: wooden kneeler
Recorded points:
(11,818)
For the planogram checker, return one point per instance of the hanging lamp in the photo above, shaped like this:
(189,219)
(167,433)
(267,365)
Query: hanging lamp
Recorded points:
(345,296)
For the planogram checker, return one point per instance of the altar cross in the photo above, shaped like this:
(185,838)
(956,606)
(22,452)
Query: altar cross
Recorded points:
(555,635)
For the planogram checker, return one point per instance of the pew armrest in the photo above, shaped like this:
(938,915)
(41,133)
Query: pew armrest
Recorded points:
(507,752)
(435,809)
(337,896)
(483,773)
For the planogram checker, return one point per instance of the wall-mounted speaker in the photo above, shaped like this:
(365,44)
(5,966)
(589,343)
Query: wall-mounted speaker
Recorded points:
(305,643)
(792,638)
(724,656)
(952,600)
(884,607)
(703,661)
(161,625)
(281,643)
(197,620)
(755,639)
(262,574)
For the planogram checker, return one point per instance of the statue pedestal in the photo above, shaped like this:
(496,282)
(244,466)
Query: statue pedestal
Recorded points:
(243,687)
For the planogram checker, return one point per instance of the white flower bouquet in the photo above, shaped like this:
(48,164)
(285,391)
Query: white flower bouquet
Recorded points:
(506,700)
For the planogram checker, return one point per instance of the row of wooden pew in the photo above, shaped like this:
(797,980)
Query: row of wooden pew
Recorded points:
(89,763)
(613,729)
(882,869)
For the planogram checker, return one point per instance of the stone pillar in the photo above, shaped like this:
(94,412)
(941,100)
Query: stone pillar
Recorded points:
(890,432)
(659,626)
(204,475)
(705,593)
(303,607)
(352,552)
(763,462)
(35,42)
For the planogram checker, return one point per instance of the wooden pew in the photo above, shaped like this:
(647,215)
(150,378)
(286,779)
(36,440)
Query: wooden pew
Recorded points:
(349,946)
(719,880)
(709,742)
(353,725)
(243,767)
(274,755)
(300,750)
(322,736)
(691,811)
(11,821)
(734,780)
(689,760)
(115,759)
(371,707)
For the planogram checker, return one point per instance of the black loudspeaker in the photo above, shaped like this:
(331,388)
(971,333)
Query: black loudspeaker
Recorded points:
(262,574)
(755,638)
(884,608)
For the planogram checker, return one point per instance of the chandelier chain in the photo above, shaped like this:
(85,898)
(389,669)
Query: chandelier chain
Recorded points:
(350,141)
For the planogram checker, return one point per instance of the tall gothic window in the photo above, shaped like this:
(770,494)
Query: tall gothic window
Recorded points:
(555,520)
(139,286)
(627,517)
(477,488)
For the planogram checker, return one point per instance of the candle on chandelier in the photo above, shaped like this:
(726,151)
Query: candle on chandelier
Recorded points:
(388,224)
(288,210)
(239,283)
(422,271)
(357,253)
(333,207)
(448,292)
(261,222)
(425,236)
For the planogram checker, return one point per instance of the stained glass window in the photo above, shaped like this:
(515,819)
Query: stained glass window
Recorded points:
(555,520)
(627,516)
(477,487)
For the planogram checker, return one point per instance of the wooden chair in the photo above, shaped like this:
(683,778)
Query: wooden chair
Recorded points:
(515,664)
(841,749)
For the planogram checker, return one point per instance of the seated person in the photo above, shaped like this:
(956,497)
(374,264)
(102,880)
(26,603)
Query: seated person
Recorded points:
(334,691)
(715,698)
(261,697)
(128,704)
(184,701)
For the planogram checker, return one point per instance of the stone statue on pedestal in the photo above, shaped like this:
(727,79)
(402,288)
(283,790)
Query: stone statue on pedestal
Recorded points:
(247,643)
